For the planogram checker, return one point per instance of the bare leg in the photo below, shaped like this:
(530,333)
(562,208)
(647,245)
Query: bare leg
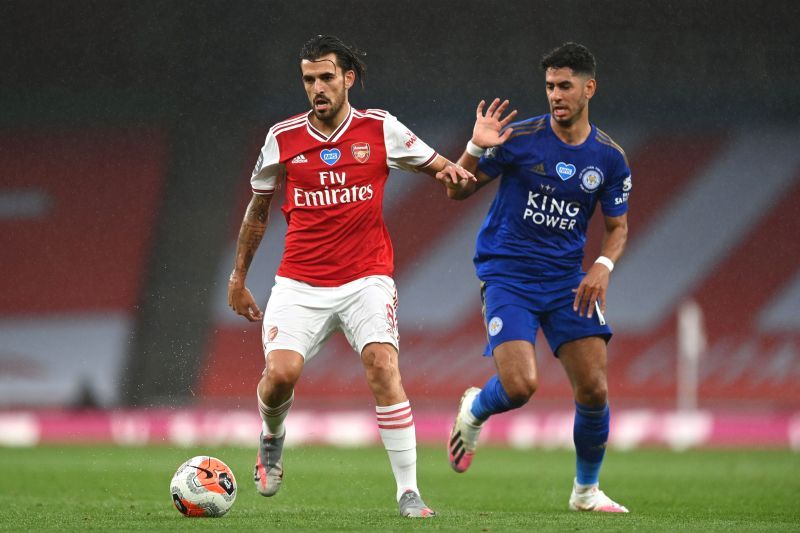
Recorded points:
(383,373)
(516,368)
(584,360)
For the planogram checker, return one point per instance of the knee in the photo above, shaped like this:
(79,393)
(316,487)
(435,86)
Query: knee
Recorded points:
(593,394)
(520,389)
(281,375)
(380,360)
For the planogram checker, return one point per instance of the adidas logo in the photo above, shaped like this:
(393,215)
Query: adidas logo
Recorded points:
(300,159)
(539,169)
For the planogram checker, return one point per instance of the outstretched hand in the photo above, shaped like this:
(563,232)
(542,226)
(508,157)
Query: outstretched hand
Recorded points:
(488,126)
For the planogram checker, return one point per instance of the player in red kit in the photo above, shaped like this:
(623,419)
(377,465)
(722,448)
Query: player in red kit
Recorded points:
(336,269)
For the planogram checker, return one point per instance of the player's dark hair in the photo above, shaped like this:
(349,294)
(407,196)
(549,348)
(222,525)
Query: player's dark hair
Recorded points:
(571,55)
(347,57)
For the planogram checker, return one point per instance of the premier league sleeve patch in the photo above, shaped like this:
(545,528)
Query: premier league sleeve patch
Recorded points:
(591,179)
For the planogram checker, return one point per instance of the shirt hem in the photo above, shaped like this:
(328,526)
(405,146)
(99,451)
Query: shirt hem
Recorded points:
(318,282)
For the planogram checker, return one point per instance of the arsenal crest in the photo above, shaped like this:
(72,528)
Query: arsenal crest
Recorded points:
(360,152)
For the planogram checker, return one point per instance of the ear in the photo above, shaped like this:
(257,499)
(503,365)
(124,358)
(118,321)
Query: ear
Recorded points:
(349,78)
(590,88)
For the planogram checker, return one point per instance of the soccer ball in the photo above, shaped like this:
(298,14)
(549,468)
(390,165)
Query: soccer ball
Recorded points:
(203,486)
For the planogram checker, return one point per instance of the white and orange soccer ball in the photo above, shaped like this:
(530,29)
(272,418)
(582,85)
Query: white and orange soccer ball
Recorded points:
(203,486)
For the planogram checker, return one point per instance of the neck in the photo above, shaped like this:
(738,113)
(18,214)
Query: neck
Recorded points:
(329,126)
(575,133)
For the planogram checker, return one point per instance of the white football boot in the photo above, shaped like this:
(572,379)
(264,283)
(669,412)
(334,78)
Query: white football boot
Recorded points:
(591,498)
(463,435)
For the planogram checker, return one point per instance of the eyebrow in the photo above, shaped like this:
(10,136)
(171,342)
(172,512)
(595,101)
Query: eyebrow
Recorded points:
(333,63)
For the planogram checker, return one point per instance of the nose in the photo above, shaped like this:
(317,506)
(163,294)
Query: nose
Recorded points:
(319,87)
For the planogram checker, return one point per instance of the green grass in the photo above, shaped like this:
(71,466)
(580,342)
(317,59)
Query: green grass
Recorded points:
(328,489)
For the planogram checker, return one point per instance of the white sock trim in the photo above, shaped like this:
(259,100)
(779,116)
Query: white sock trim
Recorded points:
(397,416)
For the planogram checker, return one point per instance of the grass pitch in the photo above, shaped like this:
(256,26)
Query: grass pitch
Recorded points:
(329,489)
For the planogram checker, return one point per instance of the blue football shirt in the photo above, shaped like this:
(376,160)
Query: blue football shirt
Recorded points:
(536,226)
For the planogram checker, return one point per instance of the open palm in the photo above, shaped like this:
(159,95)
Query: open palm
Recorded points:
(488,126)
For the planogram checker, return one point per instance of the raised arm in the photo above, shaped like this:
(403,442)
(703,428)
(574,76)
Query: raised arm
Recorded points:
(485,134)
(595,283)
(252,231)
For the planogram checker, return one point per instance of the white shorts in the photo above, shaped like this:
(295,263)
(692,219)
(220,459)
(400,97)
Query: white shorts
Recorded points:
(301,317)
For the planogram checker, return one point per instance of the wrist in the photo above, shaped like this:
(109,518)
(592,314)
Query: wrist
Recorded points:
(474,150)
(606,262)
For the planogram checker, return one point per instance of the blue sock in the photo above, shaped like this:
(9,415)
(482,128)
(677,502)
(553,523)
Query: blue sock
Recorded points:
(492,400)
(590,434)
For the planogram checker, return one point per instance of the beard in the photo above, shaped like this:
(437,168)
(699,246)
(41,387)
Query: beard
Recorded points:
(570,118)
(329,112)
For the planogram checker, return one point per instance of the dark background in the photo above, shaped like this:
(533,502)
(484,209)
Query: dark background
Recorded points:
(676,64)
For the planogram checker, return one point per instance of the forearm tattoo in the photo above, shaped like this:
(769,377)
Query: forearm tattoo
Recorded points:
(252,231)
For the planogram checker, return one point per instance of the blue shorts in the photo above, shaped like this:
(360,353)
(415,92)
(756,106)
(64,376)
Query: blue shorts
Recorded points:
(515,312)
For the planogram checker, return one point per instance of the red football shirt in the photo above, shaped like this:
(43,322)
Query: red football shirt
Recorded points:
(334,192)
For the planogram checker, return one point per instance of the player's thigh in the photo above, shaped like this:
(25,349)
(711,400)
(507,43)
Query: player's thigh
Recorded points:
(585,362)
(368,314)
(298,318)
(515,361)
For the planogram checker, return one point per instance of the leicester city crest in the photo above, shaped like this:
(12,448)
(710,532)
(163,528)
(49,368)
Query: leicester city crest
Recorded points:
(495,325)
(591,179)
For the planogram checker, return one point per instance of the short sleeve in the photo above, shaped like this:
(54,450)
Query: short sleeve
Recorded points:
(404,150)
(614,198)
(495,161)
(268,170)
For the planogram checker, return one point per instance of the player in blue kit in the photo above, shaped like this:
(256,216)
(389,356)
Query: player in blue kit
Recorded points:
(554,170)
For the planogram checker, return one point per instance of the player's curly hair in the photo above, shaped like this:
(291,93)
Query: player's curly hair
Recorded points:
(571,55)
(348,57)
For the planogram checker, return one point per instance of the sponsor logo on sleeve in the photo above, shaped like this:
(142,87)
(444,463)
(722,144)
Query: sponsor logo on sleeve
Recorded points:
(490,153)
(591,179)
(360,152)
(330,157)
(627,184)
(410,140)
(565,170)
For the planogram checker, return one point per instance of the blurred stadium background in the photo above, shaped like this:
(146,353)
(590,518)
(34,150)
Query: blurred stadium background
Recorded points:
(127,136)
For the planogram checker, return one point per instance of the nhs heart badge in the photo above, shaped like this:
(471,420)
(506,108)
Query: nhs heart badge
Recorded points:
(330,157)
(565,170)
